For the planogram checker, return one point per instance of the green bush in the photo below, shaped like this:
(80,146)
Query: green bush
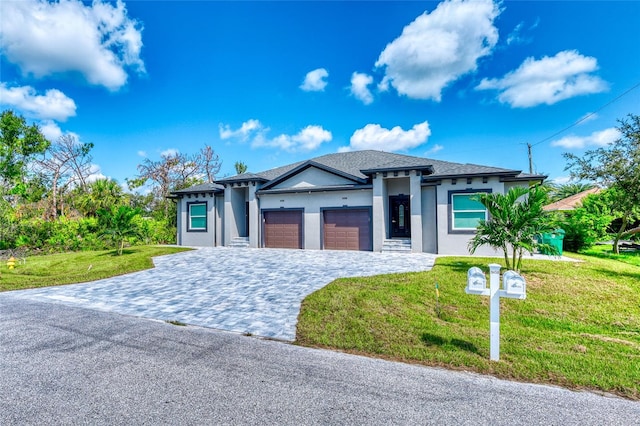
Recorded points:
(585,225)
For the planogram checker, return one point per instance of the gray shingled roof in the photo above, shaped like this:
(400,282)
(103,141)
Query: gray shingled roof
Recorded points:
(205,187)
(355,162)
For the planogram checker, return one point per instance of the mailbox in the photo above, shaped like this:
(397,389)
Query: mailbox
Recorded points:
(476,281)
(514,285)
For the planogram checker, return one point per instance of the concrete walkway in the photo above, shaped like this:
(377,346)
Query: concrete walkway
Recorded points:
(255,291)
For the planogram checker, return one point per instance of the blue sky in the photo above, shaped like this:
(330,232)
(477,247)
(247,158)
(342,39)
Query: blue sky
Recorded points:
(270,83)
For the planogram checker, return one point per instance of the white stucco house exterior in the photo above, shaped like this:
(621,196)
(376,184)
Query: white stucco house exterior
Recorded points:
(360,200)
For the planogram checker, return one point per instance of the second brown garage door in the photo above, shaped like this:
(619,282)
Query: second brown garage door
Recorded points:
(283,229)
(347,229)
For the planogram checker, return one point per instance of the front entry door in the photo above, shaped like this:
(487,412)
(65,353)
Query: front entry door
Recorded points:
(400,216)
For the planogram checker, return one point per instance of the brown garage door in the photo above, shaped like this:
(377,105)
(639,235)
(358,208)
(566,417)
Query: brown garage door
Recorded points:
(283,229)
(347,229)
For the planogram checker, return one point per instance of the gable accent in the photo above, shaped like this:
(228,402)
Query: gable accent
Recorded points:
(309,164)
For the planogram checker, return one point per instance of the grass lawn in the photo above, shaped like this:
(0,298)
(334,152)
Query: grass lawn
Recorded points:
(606,252)
(579,326)
(68,268)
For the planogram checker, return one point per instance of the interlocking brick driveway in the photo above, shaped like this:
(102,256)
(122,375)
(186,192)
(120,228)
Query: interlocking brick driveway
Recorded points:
(255,291)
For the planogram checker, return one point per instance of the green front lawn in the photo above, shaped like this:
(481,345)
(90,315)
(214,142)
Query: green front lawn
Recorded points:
(605,251)
(579,326)
(68,268)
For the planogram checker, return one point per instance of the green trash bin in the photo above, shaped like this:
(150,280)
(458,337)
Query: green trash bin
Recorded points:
(554,239)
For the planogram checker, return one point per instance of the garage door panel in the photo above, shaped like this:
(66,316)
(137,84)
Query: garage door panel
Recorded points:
(283,229)
(347,229)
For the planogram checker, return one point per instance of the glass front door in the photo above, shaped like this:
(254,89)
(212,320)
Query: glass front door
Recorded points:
(400,216)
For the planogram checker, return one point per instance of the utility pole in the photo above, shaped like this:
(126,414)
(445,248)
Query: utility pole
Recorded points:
(530,158)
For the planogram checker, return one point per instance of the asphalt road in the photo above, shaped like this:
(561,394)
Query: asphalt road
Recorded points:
(68,365)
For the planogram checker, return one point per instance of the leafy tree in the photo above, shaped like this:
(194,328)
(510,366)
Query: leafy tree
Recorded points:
(588,223)
(119,223)
(240,167)
(616,167)
(515,219)
(19,143)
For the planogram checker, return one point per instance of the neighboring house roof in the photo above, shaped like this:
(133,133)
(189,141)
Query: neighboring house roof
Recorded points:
(572,202)
(358,165)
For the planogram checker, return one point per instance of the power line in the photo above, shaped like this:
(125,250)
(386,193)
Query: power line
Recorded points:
(586,116)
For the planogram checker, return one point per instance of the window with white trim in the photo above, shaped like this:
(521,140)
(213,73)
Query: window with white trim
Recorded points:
(197,220)
(466,212)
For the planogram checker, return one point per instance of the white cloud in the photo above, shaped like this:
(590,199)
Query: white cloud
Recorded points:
(561,180)
(373,136)
(52,105)
(315,81)
(142,154)
(99,41)
(170,152)
(50,130)
(439,47)
(248,128)
(436,148)
(548,80)
(307,139)
(95,174)
(598,139)
(359,89)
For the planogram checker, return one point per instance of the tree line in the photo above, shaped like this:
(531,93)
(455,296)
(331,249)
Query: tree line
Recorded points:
(50,201)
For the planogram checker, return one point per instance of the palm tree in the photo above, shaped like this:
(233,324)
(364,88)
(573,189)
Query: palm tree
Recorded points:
(560,192)
(516,218)
(118,223)
(100,194)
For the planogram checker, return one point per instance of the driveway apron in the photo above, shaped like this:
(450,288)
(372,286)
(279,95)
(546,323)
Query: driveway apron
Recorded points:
(256,291)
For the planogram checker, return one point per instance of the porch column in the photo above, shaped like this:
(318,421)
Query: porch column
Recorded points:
(254,217)
(416,211)
(229,219)
(377,216)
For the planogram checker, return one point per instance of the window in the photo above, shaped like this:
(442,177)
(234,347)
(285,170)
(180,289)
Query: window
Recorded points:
(197,217)
(466,212)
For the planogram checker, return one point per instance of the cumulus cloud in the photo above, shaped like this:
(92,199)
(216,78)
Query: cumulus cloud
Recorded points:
(50,130)
(438,48)
(52,105)
(359,89)
(315,81)
(142,154)
(99,41)
(547,81)
(436,148)
(374,136)
(597,139)
(248,128)
(307,139)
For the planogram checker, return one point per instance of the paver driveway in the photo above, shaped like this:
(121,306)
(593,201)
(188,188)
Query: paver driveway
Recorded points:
(255,291)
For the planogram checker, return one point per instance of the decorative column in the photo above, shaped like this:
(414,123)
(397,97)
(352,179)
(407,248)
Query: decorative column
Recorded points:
(416,211)
(377,214)
(254,217)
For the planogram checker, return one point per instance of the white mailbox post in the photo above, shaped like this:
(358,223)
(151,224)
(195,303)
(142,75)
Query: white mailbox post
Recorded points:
(514,288)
